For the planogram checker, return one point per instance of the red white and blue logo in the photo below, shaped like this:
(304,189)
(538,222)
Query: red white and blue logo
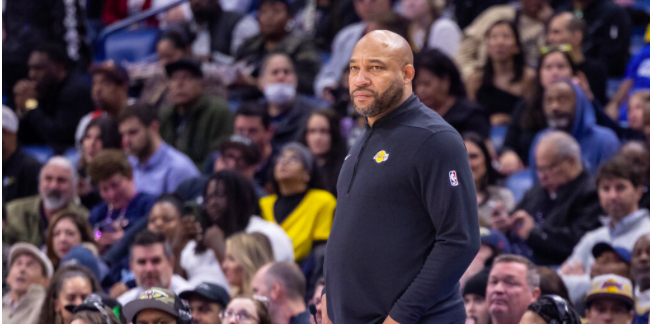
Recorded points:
(453,178)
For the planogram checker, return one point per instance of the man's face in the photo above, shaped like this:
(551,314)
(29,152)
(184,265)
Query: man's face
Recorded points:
(560,106)
(376,79)
(476,308)
(279,69)
(150,267)
(107,94)
(43,71)
(553,170)
(202,9)
(609,263)
(253,128)
(641,262)
(154,316)
(136,137)
(234,159)
(117,190)
(608,311)
(273,18)
(204,311)
(558,31)
(184,87)
(619,197)
(259,283)
(24,272)
(366,8)
(167,52)
(164,218)
(508,293)
(55,186)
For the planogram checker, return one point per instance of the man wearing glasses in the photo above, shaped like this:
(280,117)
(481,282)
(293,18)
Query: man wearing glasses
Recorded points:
(557,211)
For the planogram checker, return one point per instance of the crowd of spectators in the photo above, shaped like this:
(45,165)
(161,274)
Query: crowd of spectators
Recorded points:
(202,180)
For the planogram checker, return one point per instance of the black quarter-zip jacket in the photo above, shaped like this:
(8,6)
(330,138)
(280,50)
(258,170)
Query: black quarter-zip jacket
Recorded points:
(406,223)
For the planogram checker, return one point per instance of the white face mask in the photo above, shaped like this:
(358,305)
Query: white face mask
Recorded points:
(279,93)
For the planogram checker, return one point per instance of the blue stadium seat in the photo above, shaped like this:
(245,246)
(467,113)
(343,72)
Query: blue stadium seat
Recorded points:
(130,45)
(519,183)
(40,152)
(73,155)
(498,136)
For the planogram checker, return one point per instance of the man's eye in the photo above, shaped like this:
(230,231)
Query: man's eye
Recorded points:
(376,67)
(353,68)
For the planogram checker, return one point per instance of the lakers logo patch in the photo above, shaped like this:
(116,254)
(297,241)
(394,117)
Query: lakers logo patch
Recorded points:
(381,156)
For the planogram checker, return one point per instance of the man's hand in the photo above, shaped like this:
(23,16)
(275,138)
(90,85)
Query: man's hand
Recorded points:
(612,111)
(187,230)
(522,224)
(117,290)
(389,320)
(572,268)
(323,303)
(23,90)
(108,239)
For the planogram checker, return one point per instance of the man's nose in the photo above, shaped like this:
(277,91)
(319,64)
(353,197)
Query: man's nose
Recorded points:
(361,79)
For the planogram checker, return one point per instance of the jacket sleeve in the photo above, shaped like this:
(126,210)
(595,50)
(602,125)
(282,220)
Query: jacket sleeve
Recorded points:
(558,242)
(444,180)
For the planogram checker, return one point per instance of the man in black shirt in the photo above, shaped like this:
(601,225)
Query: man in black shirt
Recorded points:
(567,29)
(52,101)
(608,32)
(19,170)
(406,224)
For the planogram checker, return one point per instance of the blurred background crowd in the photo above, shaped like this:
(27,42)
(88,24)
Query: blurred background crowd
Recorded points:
(195,146)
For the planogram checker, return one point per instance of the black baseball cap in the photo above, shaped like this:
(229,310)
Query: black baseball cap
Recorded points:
(184,64)
(209,291)
(94,302)
(603,247)
(251,152)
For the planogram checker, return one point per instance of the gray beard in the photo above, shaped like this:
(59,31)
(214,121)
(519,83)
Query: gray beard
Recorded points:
(52,202)
(383,103)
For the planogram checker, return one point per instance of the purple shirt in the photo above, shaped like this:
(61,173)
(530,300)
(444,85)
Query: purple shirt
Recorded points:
(163,172)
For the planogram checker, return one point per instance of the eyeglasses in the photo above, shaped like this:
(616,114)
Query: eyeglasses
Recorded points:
(550,167)
(241,316)
(566,48)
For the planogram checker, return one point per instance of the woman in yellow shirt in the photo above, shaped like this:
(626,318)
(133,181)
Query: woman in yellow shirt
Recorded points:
(304,212)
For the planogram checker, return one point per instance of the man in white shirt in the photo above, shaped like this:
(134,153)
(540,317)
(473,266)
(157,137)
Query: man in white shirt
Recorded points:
(152,263)
(619,189)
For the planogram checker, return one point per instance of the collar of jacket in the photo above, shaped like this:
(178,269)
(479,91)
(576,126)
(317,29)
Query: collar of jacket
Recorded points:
(200,104)
(566,189)
(397,114)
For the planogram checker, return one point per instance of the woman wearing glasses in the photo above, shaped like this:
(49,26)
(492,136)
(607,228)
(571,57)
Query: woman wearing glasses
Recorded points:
(303,211)
(245,310)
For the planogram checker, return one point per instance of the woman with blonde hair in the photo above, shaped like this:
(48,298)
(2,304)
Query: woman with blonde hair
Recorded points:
(245,254)
(67,230)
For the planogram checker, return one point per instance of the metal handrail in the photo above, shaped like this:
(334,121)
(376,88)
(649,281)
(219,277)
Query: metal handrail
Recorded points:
(124,23)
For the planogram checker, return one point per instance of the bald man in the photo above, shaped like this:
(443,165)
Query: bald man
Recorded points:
(406,225)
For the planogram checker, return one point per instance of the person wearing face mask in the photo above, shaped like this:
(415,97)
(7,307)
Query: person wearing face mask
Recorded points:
(28,218)
(289,111)
(567,109)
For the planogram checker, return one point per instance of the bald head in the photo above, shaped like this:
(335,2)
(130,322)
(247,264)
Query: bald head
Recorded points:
(385,41)
(566,28)
(381,73)
(640,266)
(558,160)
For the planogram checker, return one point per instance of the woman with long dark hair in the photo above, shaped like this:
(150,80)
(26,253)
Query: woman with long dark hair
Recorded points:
(490,197)
(299,207)
(230,206)
(323,138)
(67,230)
(504,79)
(439,86)
(100,134)
(70,285)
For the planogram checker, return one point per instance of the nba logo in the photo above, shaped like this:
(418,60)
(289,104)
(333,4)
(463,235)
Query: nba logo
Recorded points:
(453,179)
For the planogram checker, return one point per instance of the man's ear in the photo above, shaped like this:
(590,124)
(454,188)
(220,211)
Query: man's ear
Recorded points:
(274,292)
(639,192)
(577,37)
(536,293)
(155,126)
(408,72)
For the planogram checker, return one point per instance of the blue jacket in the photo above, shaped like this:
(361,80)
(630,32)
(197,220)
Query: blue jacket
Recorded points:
(138,208)
(597,143)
